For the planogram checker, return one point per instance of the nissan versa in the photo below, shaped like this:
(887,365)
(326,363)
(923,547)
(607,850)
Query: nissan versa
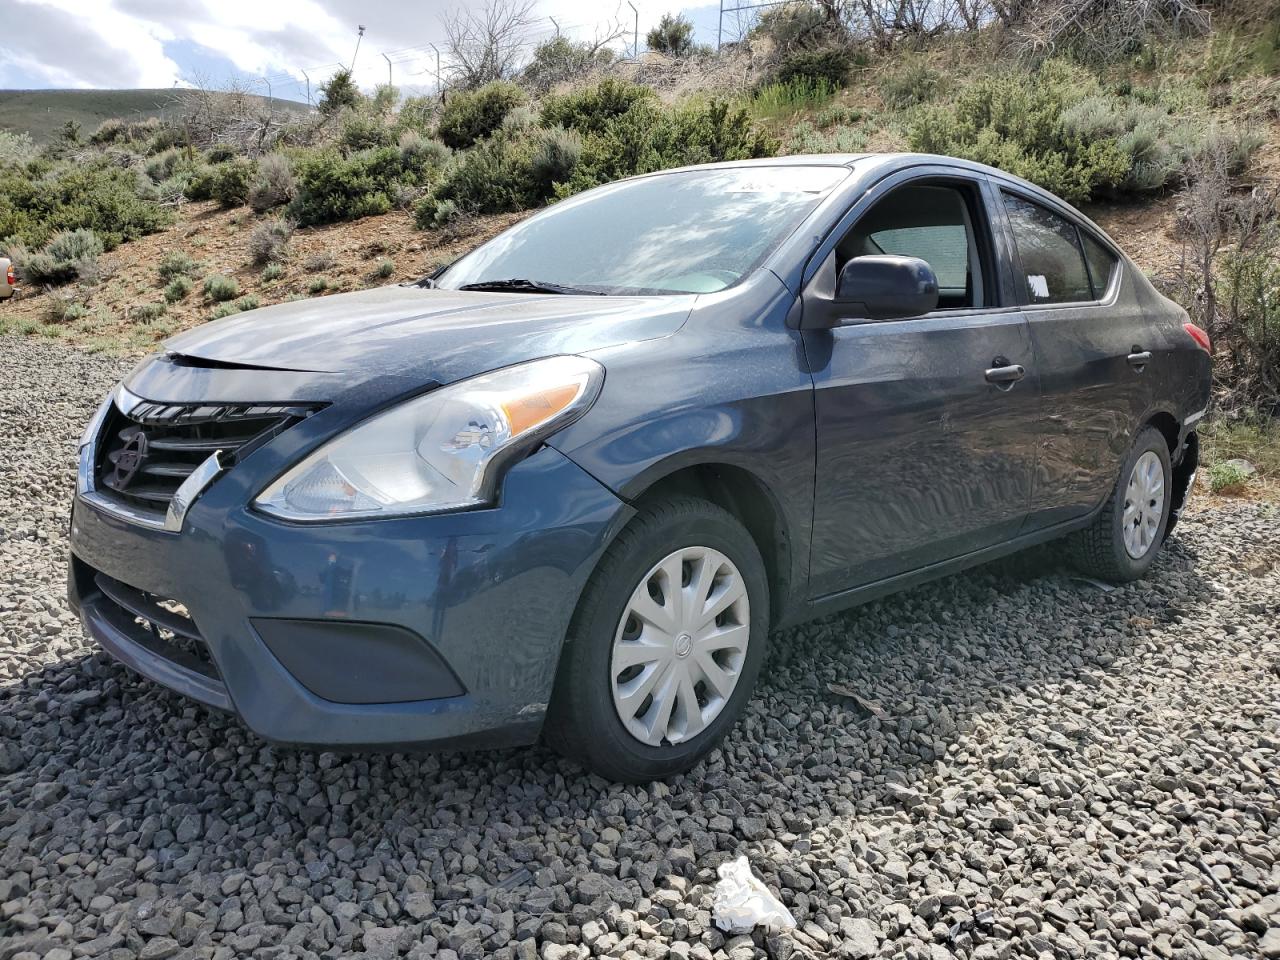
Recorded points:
(569,484)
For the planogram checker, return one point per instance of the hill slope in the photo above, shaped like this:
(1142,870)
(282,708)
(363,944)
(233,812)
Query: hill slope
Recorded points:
(42,113)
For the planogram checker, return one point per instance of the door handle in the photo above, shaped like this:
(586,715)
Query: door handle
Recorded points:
(1006,376)
(1139,359)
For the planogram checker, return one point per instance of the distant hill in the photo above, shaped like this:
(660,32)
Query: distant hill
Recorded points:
(42,113)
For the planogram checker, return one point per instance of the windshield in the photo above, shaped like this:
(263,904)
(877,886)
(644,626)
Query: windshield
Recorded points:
(697,231)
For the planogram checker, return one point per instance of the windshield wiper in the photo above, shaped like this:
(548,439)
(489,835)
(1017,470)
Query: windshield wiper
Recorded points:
(520,285)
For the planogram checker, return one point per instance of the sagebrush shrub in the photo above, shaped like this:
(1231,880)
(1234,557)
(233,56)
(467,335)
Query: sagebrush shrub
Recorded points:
(471,115)
(910,83)
(418,150)
(176,263)
(273,185)
(269,242)
(70,255)
(219,287)
(1015,122)
(177,288)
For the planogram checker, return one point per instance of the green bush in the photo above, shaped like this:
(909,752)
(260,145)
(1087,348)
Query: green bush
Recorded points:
(332,187)
(70,255)
(232,180)
(177,289)
(1015,121)
(649,137)
(673,35)
(471,115)
(317,285)
(219,287)
(248,302)
(384,269)
(273,184)
(177,264)
(272,271)
(591,109)
(911,83)
(339,91)
(364,130)
(1228,477)
(829,65)
(43,199)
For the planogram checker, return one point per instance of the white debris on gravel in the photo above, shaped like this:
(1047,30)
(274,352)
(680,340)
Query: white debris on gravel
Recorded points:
(1063,773)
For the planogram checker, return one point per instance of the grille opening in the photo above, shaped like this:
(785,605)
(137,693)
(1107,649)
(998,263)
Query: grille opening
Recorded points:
(145,455)
(162,625)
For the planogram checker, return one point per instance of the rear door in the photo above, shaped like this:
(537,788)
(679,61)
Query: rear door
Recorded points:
(926,427)
(1094,351)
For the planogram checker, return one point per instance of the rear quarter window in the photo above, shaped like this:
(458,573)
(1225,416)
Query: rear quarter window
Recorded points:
(1102,264)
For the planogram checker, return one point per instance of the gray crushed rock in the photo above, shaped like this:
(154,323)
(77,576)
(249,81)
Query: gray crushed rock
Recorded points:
(1064,772)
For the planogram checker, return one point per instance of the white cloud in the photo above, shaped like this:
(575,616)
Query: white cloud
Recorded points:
(122,43)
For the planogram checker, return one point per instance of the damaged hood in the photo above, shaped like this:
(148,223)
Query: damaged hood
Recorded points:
(423,334)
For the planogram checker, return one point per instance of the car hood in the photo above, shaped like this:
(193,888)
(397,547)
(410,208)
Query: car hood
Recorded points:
(426,334)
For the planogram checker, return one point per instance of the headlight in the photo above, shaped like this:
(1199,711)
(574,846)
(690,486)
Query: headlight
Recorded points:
(442,451)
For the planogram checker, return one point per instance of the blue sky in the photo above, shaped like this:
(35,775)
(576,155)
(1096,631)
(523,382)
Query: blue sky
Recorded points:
(163,43)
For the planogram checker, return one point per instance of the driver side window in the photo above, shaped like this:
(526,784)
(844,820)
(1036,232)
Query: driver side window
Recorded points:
(934,222)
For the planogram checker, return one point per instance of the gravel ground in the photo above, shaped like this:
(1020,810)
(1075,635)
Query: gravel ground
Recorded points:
(1059,771)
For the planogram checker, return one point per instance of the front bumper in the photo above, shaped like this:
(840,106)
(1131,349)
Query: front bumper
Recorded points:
(474,604)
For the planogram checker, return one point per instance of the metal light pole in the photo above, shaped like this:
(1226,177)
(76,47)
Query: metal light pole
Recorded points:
(635,41)
(359,37)
(388,59)
(438,81)
(308,79)
(720,26)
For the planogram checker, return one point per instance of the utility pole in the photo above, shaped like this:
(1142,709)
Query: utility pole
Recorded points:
(635,41)
(388,59)
(720,26)
(359,37)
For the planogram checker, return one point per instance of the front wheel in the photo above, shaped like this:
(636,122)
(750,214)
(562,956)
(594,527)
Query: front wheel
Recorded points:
(665,645)
(1124,539)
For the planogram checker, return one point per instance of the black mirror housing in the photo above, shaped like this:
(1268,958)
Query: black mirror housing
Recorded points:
(886,287)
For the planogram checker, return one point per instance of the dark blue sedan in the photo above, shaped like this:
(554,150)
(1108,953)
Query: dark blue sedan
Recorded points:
(569,484)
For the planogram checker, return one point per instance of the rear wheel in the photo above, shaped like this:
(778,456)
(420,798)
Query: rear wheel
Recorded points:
(1123,541)
(665,645)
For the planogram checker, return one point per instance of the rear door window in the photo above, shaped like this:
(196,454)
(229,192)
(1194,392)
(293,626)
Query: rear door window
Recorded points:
(1049,249)
(1102,264)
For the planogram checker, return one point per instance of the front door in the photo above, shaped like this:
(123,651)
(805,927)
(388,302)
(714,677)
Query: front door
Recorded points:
(927,427)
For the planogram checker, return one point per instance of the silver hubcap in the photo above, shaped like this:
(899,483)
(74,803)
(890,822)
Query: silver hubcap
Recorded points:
(1143,505)
(680,645)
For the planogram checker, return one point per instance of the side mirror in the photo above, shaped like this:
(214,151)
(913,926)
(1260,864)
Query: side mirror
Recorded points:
(886,288)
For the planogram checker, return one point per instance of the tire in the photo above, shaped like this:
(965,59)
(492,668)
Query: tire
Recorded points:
(1100,550)
(583,721)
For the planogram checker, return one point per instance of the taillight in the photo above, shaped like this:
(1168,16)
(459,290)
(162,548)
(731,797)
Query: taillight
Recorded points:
(1199,336)
(10,277)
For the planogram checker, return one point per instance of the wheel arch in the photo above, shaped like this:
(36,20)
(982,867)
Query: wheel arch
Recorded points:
(745,495)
